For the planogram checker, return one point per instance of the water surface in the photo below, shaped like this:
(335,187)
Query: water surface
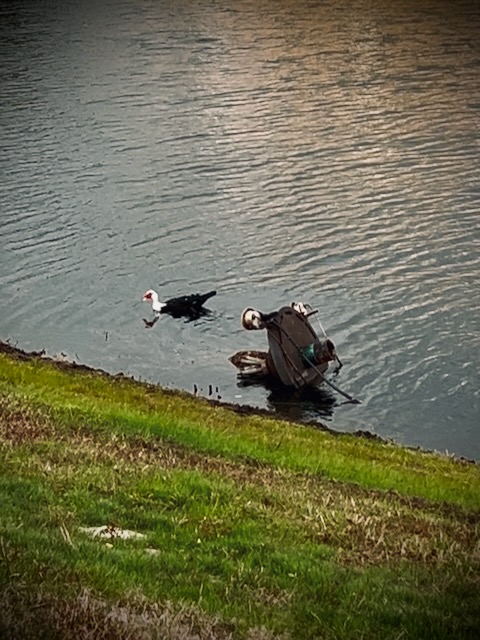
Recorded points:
(275,151)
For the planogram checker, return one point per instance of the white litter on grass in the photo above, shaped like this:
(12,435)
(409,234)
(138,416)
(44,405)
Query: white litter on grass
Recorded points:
(152,552)
(111,532)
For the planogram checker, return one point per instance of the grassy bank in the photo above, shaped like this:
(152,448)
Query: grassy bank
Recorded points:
(250,527)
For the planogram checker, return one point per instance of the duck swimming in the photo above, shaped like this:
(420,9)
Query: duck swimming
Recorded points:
(189,306)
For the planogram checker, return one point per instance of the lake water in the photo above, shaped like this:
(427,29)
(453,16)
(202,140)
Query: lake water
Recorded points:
(327,152)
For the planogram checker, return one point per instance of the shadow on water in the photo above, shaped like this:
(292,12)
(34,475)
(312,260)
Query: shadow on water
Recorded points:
(309,403)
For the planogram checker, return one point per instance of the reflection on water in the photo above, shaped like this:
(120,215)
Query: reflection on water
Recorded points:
(274,151)
(305,404)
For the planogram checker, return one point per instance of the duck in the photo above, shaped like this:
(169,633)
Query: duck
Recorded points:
(254,319)
(190,305)
(253,365)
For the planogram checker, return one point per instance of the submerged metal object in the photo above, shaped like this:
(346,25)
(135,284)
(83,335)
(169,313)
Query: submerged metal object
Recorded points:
(296,355)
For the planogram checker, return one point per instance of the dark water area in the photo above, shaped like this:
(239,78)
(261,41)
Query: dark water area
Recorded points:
(327,152)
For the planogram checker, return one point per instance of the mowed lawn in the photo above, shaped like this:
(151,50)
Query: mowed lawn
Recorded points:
(219,524)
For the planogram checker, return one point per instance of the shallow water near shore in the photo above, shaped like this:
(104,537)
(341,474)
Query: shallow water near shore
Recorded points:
(272,151)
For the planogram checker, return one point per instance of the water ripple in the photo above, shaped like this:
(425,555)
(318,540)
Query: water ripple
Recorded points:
(274,152)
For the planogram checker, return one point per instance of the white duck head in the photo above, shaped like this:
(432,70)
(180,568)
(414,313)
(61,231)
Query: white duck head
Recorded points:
(304,309)
(152,296)
(252,319)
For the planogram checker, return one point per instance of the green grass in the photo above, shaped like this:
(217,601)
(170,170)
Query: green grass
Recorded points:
(253,527)
(127,407)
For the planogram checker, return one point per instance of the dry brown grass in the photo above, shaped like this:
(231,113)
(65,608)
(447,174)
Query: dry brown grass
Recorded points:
(27,616)
(365,527)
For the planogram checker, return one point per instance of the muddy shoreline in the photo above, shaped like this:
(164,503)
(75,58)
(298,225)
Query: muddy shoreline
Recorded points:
(240,409)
